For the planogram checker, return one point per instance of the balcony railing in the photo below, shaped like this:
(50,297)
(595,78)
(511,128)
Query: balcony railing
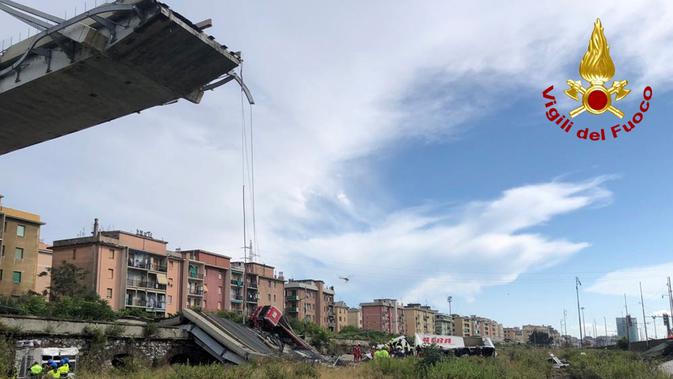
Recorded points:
(161,267)
(141,283)
(237,283)
(136,302)
(198,276)
(238,298)
(145,265)
(196,292)
(293,298)
(251,298)
(252,285)
(293,310)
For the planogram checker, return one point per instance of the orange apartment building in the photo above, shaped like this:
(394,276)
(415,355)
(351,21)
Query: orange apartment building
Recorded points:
(310,300)
(384,315)
(255,284)
(24,261)
(138,271)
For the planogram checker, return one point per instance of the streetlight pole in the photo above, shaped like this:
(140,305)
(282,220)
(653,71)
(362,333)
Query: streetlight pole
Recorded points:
(450,300)
(565,325)
(579,314)
(654,325)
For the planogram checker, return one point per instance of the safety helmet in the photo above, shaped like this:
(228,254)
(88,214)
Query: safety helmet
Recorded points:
(54,365)
(65,360)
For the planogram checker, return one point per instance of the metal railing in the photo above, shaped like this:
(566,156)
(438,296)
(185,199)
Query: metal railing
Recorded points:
(141,283)
(237,283)
(197,292)
(196,276)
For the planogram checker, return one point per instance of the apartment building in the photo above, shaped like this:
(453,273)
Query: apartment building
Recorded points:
(486,327)
(269,286)
(462,326)
(355,317)
(418,319)
(128,270)
(527,330)
(384,315)
(514,334)
(443,324)
(341,315)
(205,280)
(22,260)
(310,300)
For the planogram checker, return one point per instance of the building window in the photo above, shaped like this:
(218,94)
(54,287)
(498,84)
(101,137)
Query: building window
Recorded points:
(170,282)
(219,290)
(16,277)
(20,230)
(219,306)
(110,273)
(269,297)
(3,251)
(0,274)
(219,276)
(108,293)
(170,264)
(18,254)
(169,299)
(74,254)
(111,254)
(274,297)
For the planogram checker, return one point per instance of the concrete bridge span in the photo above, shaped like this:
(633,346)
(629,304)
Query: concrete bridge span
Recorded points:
(109,62)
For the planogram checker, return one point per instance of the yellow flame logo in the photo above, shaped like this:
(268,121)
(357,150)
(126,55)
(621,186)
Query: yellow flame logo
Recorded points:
(596,67)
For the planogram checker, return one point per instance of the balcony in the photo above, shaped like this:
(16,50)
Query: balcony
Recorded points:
(136,302)
(237,299)
(237,283)
(195,292)
(251,298)
(252,285)
(293,298)
(293,310)
(196,276)
(142,283)
(160,267)
(141,264)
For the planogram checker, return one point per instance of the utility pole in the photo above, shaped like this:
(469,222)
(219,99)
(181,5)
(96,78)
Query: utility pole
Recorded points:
(642,304)
(605,322)
(654,325)
(584,324)
(579,314)
(595,332)
(670,297)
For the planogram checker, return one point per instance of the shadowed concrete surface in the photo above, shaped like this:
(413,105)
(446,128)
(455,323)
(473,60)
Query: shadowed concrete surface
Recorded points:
(85,74)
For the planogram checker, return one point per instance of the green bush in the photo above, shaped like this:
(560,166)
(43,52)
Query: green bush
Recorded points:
(114,330)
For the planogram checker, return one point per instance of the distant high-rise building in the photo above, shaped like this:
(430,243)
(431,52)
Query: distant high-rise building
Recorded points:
(24,262)
(630,323)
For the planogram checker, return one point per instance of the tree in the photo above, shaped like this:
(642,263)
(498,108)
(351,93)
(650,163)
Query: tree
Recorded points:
(67,281)
(540,338)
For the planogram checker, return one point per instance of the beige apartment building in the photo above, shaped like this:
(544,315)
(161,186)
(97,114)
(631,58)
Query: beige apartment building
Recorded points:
(24,262)
(462,326)
(341,315)
(418,319)
(310,300)
(355,317)
(443,324)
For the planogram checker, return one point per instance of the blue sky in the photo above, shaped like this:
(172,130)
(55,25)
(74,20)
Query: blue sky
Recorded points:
(405,147)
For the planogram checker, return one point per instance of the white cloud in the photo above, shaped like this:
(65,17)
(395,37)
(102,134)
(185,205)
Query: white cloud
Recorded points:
(625,281)
(426,254)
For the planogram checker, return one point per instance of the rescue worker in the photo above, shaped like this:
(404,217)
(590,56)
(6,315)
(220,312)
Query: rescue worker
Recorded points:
(53,371)
(357,353)
(381,353)
(36,370)
(64,369)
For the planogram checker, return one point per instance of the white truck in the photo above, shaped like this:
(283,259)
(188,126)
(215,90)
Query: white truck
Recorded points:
(30,351)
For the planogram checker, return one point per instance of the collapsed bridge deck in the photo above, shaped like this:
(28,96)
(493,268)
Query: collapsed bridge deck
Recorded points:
(114,60)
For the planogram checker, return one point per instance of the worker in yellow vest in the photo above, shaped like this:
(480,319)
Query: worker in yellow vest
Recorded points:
(36,370)
(64,369)
(53,371)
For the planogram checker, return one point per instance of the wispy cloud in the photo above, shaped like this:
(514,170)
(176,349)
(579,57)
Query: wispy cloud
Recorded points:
(425,252)
(625,281)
